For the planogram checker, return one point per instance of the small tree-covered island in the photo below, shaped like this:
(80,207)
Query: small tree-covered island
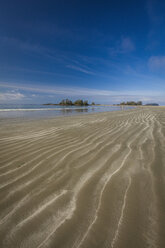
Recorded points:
(139,103)
(67,102)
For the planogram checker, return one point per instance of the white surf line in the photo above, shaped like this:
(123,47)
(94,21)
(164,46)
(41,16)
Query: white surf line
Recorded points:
(39,109)
(121,216)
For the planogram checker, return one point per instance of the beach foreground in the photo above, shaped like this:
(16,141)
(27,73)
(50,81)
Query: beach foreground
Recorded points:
(85,181)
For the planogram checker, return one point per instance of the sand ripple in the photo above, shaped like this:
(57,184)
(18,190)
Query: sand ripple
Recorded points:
(84,181)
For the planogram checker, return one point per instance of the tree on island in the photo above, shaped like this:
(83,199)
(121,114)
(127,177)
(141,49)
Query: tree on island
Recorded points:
(152,104)
(139,103)
(68,102)
(81,103)
(86,103)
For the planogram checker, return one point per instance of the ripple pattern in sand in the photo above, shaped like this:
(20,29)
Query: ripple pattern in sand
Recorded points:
(85,181)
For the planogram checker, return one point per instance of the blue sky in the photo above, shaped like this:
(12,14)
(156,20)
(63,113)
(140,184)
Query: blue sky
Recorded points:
(102,51)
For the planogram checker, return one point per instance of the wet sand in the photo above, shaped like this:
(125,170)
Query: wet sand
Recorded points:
(93,180)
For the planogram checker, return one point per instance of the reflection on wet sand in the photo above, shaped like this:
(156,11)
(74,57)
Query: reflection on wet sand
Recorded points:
(72,110)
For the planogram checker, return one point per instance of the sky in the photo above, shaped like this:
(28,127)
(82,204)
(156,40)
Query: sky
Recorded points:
(102,51)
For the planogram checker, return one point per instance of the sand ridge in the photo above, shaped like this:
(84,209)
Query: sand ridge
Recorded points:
(93,180)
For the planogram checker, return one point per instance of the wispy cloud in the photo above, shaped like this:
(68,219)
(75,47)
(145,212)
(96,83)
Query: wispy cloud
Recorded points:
(127,45)
(123,45)
(67,91)
(74,91)
(35,48)
(156,63)
(155,12)
(154,17)
(39,72)
(17,93)
(11,96)
(24,45)
(65,59)
(77,68)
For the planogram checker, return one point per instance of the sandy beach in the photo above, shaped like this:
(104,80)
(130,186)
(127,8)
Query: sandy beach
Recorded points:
(95,180)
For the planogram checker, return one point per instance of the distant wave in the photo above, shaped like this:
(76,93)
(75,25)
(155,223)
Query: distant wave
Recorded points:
(40,109)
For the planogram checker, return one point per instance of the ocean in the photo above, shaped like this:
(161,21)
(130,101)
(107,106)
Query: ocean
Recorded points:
(47,111)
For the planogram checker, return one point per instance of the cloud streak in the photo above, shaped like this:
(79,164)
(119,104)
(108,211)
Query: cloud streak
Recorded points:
(123,46)
(157,63)
(77,68)
(11,96)
(26,94)
(127,45)
(75,91)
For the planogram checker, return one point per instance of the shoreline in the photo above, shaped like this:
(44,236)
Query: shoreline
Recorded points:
(53,113)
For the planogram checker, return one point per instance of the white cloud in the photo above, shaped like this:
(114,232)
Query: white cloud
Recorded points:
(11,96)
(42,94)
(155,11)
(127,45)
(71,91)
(124,45)
(77,68)
(156,63)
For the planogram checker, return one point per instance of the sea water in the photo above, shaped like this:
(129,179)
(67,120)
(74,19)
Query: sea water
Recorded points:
(40,110)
